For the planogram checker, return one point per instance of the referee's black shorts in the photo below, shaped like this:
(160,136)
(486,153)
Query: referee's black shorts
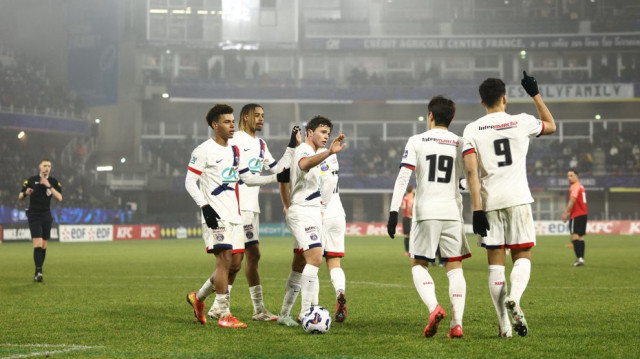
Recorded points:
(40,224)
(406,225)
(578,225)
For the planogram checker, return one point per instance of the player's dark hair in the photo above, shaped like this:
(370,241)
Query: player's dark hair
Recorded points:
(248,110)
(491,91)
(44,160)
(317,122)
(575,172)
(216,111)
(443,110)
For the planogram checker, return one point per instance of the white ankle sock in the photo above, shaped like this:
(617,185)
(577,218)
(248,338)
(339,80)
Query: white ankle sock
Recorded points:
(457,295)
(425,287)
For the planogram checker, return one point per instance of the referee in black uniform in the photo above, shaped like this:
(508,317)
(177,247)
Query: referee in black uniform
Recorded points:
(41,188)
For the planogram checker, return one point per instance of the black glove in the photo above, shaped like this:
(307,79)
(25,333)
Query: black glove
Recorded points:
(210,216)
(480,223)
(530,84)
(284,176)
(292,140)
(462,184)
(392,223)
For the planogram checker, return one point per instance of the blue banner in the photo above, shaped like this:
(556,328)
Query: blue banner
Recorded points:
(93,51)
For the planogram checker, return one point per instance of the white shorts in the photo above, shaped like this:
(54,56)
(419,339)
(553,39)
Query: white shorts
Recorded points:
(305,223)
(333,230)
(510,227)
(227,236)
(428,235)
(251,225)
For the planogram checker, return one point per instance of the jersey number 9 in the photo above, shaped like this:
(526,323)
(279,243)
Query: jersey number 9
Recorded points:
(503,148)
(444,164)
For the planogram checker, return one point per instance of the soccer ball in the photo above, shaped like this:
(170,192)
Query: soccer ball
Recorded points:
(316,320)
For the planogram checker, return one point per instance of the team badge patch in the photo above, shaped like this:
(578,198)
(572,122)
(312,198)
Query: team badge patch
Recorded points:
(314,237)
(193,160)
(324,167)
(406,153)
(249,234)
(219,237)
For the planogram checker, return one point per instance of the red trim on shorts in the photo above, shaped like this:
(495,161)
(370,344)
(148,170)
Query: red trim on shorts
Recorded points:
(194,170)
(334,254)
(455,259)
(521,245)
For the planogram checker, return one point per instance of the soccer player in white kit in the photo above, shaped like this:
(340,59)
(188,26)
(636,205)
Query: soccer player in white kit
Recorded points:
(436,157)
(501,142)
(215,166)
(259,158)
(304,217)
(334,227)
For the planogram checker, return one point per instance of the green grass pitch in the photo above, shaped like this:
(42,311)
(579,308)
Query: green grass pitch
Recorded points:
(127,300)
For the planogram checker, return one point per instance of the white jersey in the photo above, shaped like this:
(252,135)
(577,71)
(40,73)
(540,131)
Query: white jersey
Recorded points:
(217,167)
(305,186)
(501,142)
(330,168)
(255,154)
(436,157)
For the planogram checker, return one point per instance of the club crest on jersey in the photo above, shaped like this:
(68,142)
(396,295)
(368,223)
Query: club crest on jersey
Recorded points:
(193,160)
(219,237)
(249,235)
(313,237)
(324,166)
(255,165)
(229,175)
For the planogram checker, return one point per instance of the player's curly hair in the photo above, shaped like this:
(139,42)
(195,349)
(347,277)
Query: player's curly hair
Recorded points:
(491,91)
(443,110)
(216,111)
(248,110)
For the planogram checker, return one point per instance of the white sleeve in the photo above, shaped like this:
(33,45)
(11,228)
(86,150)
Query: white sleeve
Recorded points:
(191,184)
(399,188)
(252,181)
(329,183)
(284,162)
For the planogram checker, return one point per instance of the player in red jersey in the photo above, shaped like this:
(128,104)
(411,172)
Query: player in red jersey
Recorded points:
(576,213)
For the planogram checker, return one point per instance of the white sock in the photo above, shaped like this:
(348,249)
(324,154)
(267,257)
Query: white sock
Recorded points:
(338,280)
(222,304)
(498,290)
(316,291)
(308,287)
(291,292)
(457,295)
(425,287)
(229,286)
(206,290)
(520,275)
(256,298)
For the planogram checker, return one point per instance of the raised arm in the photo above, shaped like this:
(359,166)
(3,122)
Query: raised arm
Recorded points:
(308,163)
(531,87)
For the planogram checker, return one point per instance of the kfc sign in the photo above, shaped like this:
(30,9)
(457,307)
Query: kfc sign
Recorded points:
(137,231)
